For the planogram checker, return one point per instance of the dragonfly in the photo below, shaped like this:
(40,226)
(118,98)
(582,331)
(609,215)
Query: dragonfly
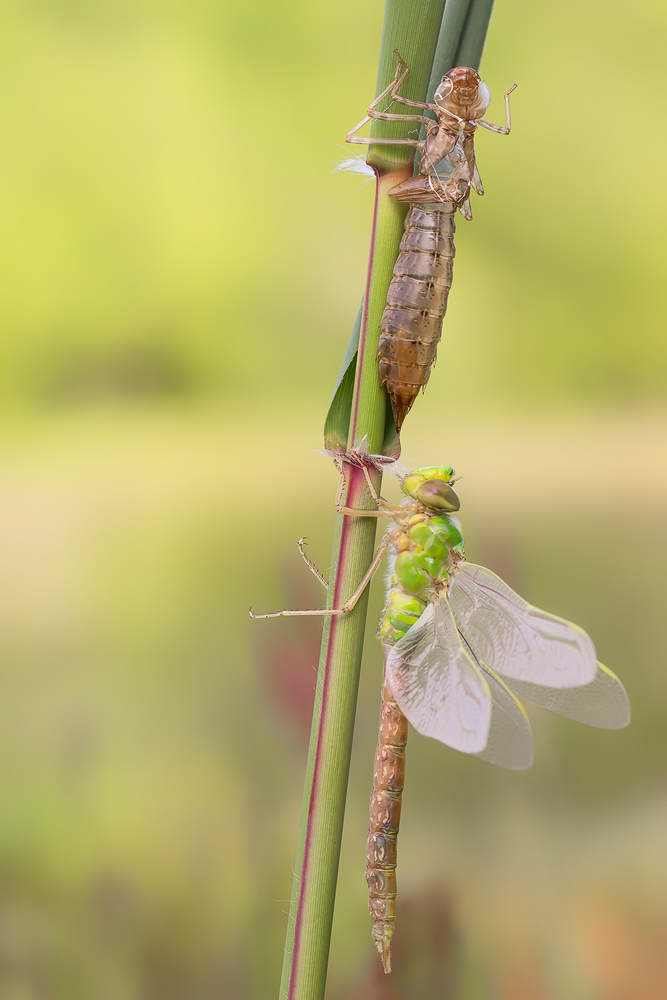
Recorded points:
(460,649)
(411,324)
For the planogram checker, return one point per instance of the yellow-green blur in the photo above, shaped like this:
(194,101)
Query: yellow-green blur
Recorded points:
(180,273)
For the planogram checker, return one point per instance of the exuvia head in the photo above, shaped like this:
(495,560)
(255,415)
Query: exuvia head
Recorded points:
(431,487)
(462,94)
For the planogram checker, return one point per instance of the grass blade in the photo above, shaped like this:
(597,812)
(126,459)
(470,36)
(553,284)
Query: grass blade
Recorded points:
(414,28)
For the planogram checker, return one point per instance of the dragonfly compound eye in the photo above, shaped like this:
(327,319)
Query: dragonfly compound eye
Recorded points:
(437,495)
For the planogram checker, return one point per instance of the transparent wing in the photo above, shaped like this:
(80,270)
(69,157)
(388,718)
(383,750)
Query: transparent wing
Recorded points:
(436,683)
(510,742)
(601,703)
(515,639)
(544,657)
(448,695)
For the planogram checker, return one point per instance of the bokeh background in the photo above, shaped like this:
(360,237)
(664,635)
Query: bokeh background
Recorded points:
(180,273)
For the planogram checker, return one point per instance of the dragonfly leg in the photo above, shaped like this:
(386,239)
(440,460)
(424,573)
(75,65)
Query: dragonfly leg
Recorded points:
(311,566)
(354,512)
(390,116)
(501,128)
(402,71)
(364,141)
(358,512)
(399,77)
(379,501)
(369,574)
(404,100)
(351,601)
(342,482)
(383,504)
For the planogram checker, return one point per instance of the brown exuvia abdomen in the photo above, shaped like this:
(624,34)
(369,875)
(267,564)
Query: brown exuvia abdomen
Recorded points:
(416,302)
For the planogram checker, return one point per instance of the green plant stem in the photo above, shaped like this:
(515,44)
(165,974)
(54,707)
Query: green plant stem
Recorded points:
(473,37)
(412,27)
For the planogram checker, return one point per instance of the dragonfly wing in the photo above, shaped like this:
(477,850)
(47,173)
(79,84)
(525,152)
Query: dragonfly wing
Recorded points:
(515,639)
(437,684)
(448,694)
(510,741)
(601,703)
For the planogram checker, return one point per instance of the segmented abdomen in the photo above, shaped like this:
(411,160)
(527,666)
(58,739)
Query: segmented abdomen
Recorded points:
(424,549)
(385,814)
(416,302)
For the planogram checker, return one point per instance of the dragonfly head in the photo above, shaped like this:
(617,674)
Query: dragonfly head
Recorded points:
(462,94)
(431,487)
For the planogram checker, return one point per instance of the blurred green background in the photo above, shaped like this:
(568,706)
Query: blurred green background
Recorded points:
(180,273)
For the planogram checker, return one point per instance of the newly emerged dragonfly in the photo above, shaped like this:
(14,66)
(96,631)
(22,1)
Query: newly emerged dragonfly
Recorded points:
(459,647)
(417,298)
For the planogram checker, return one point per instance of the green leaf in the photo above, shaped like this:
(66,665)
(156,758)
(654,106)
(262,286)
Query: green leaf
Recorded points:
(337,423)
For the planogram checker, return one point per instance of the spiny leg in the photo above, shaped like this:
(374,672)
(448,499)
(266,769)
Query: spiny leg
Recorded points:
(384,504)
(395,83)
(369,483)
(354,512)
(342,481)
(501,128)
(402,70)
(362,140)
(351,601)
(404,100)
(311,566)
(389,510)
(399,77)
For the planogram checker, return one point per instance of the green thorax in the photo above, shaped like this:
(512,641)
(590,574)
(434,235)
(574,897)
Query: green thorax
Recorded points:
(428,544)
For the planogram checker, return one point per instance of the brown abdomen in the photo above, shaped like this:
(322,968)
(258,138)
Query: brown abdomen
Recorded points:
(385,815)
(416,302)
